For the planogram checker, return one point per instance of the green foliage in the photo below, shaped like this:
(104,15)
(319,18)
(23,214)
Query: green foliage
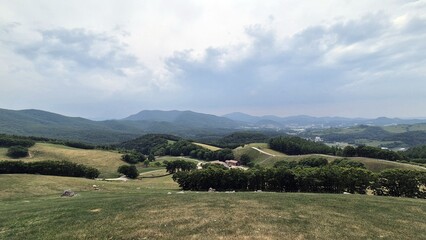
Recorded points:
(246,160)
(401,183)
(418,152)
(344,162)
(17,152)
(129,171)
(240,138)
(151,157)
(326,179)
(8,141)
(179,165)
(295,146)
(146,163)
(133,157)
(56,168)
(371,152)
(150,143)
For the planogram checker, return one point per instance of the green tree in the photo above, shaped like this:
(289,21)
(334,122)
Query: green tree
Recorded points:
(17,152)
(246,160)
(151,157)
(146,163)
(128,171)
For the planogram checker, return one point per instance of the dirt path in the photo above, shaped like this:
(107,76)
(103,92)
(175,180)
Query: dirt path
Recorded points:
(261,151)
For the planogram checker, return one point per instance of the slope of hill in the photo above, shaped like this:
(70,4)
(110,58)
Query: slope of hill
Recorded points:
(185,118)
(266,157)
(51,125)
(134,210)
(106,162)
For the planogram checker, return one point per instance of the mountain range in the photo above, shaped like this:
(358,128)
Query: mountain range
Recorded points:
(182,123)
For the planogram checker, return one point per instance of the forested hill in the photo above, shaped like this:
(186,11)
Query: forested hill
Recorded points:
(46,124)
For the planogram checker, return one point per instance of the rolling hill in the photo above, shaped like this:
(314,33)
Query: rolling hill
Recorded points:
(185,119)
(266,157)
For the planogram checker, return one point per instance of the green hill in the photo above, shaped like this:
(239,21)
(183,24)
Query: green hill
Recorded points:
(269,158)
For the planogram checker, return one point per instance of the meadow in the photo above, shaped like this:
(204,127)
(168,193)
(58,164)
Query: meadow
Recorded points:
(143,209)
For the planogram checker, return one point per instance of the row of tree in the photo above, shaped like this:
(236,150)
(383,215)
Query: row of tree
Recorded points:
(329,179)
(296,146)
(56,168)
(9,140)
(371,152)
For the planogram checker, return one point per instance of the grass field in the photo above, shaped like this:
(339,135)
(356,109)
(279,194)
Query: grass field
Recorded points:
(106,162)
(144,210)
(206,146)
(266,160)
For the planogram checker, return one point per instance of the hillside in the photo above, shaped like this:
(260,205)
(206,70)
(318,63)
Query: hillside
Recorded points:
(270,157)
(185,119)
(135,210)
(106,162)
(51,125)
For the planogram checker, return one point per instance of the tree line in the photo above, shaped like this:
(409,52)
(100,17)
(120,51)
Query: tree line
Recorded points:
(328,179)
(55,168)
(292,145)
(296,146)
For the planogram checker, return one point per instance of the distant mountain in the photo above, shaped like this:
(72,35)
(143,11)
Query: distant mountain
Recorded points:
(46,124)
(185,124)
(309,121)
(185,118)
(51,125)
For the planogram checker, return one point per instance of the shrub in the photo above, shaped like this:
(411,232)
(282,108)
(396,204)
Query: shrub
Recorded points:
(133,157)
(129,171)
(17,152)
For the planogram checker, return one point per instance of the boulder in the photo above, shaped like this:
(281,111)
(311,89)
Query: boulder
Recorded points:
(68,193)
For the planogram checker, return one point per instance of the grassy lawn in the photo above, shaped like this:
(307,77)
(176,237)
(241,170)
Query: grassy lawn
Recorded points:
(143,210)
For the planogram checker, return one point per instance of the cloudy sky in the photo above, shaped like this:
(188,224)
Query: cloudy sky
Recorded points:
(109,59)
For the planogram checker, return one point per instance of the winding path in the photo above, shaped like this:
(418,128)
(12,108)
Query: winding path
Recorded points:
(261,151)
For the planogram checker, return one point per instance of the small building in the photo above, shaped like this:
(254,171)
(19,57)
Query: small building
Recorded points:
(232,163)
(220,163)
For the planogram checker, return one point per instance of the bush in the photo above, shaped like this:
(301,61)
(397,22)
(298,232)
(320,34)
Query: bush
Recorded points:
(133,157)
(55,168)
(129,171)
(17,152)
(344,162)
(246,160)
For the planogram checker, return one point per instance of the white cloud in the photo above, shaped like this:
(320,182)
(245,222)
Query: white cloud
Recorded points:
(282,57)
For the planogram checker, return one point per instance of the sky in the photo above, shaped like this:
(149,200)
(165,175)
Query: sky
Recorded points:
(106,59)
